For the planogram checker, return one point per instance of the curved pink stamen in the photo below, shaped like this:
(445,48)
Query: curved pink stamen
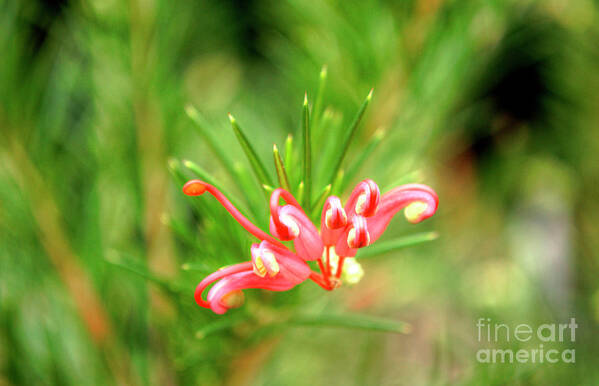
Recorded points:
(241,267)
(198,187)
(306,239)
(398,199)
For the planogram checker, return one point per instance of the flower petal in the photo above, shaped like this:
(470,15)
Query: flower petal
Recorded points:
(306,240)
(217,296)
(279,261)
(354,236)
(333,220)
(364,199)
(292,271)
(289,222)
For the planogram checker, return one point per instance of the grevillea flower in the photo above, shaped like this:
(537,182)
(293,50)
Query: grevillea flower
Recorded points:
(343,230)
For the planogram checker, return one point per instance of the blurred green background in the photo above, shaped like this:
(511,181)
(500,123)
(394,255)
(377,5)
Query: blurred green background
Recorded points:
(492,103)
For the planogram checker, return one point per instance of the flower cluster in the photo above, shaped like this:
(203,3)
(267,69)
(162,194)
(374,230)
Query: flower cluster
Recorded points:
(343,230)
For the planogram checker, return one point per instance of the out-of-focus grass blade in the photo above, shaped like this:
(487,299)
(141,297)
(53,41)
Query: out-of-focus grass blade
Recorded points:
(267,188)
(411,177)
(196,267)
(355,167)
(338,182)
(119,260)
(355,321)
(320,200)
(307,175)
(349,135)
(300,192)
(288,151)
(201,173)
(394,245)
(201,127)
(180,230)
(252,156)
(280,167)
(251,191)
(291,157)
(216,326)
(319,98)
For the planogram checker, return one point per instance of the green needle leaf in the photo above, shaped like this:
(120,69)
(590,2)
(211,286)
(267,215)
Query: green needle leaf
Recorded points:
(257,165)
(321,199)
(200,172)
(338,182)
(394,245)
(216,326)
(356,321)
(307,199)
(355,167)
(300,192)
(180,230)
(288,151)
(129,264)
(319,97)
(408,178)
(201,127)
(196,267)
(280,167)
(342,150)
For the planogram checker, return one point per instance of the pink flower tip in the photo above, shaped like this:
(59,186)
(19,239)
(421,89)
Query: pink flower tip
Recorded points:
(194,188)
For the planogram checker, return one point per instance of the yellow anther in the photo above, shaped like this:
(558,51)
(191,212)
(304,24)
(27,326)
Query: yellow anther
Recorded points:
(270,261)
(414,211)
(233,299)
(351,239)
(259,268)
(361,203)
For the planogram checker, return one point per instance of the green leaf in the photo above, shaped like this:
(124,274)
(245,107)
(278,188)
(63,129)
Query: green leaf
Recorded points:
(364,154)
(201,127)
(180,230)
(288,151)
(319,97)
(307,176)
(216,326)
(252,192)
(394,245)
(354,321)
(337,183)
(349,135)
(300,192)
(280,167)
(411,177)
(119,260)
(196,267)
(257,165)
(320,200)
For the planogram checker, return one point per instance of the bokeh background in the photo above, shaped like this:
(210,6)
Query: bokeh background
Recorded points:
(492,103)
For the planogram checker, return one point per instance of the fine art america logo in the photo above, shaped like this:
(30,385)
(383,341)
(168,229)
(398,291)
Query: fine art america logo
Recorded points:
(546,335)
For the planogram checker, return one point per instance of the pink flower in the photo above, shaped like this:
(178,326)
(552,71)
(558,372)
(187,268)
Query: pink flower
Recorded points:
(343,230)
